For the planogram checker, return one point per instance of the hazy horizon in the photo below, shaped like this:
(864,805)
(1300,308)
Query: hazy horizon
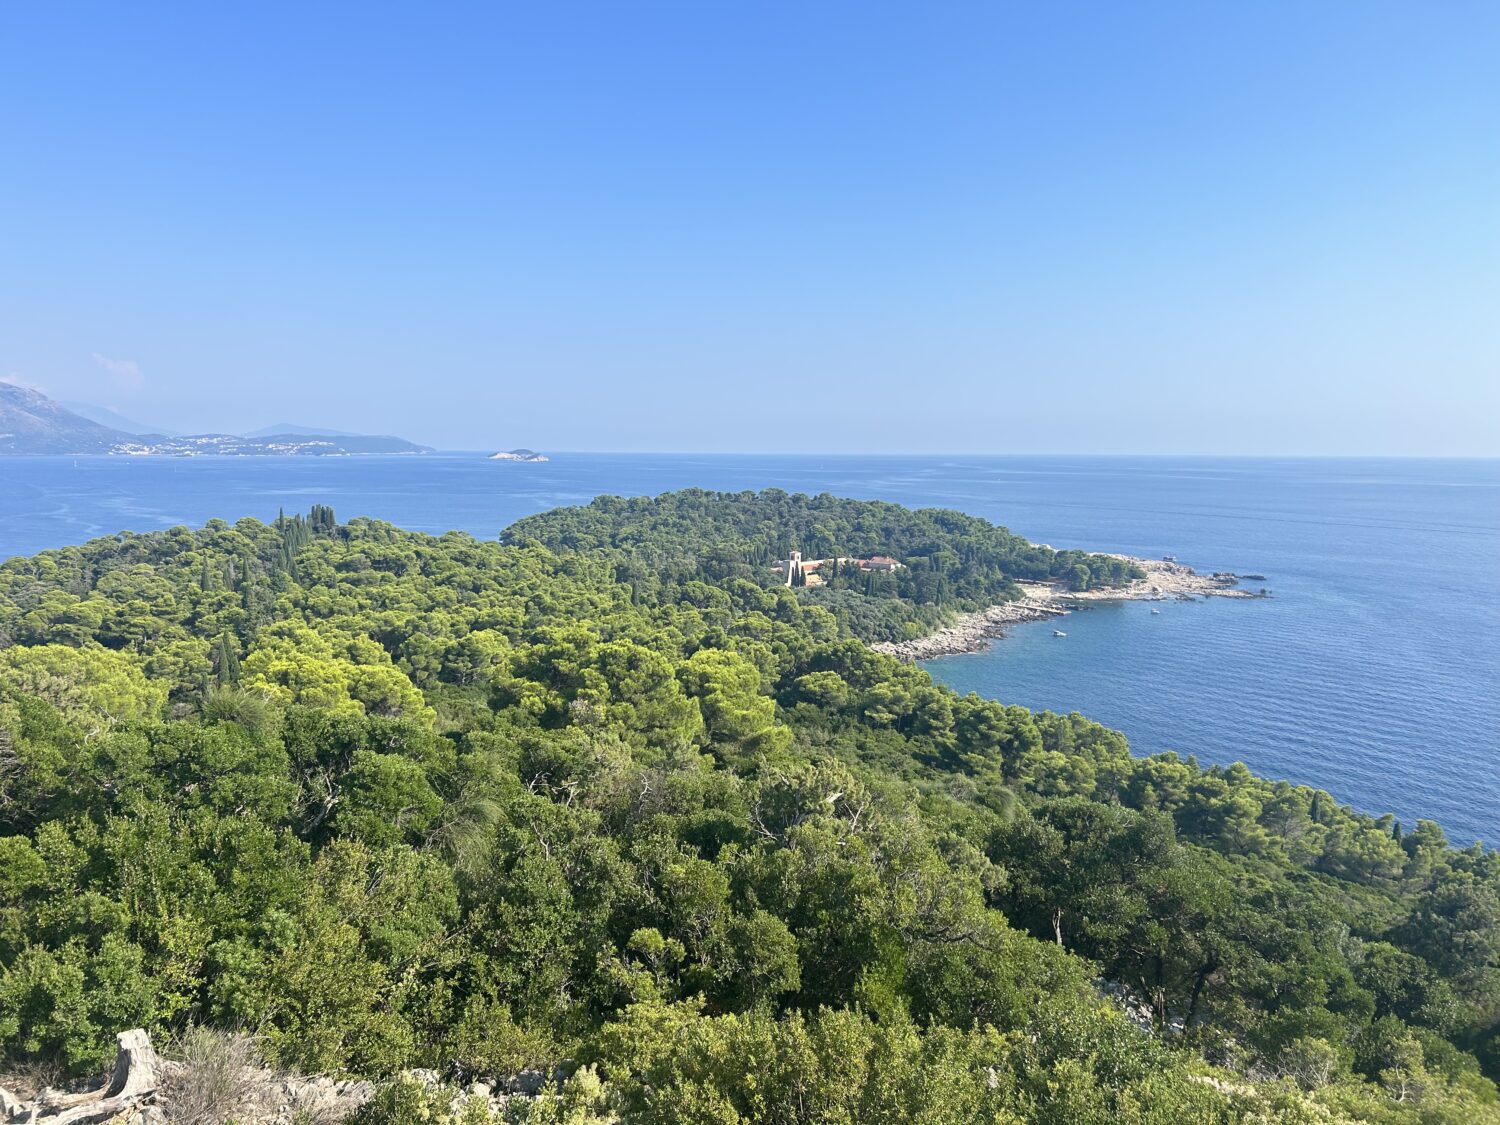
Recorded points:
(1164,230)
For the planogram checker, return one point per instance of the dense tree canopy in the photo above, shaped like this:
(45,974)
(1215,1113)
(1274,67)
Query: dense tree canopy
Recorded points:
(950,561)
(606,792)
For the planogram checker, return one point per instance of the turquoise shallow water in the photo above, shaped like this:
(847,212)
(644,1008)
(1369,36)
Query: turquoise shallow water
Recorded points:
(1374,672)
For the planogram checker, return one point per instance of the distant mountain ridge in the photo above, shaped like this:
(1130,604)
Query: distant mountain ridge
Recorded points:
(30,422)
(107,416)
(33,424)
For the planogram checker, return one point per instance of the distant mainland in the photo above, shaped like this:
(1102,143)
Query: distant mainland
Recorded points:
(33,424)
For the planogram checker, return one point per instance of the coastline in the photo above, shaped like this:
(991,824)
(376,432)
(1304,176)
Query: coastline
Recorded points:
(973,632)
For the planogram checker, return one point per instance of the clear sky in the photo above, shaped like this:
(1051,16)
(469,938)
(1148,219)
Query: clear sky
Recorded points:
(1199,227)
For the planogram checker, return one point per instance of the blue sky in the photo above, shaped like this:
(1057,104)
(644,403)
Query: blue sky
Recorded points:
(1206,228)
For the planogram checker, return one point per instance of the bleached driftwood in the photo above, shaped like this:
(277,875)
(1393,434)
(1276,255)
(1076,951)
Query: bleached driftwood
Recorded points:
(136,1076)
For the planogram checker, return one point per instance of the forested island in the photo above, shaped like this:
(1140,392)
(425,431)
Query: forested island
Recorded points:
(948,562)
(610,804)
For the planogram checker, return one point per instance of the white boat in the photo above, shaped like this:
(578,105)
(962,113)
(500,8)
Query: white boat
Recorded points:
(1058,633)
(1156,611)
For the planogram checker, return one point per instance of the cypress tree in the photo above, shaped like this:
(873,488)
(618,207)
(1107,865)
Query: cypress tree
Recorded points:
(228,662)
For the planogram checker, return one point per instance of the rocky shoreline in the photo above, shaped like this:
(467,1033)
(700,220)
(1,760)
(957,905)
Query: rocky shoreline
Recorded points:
(1166,579)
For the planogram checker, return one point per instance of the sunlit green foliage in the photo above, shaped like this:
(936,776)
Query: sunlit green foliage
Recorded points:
(607,793)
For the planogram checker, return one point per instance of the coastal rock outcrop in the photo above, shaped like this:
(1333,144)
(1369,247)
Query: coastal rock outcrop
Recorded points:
(970,633)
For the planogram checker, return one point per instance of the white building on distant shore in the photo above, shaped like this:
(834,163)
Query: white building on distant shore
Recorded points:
(797,571)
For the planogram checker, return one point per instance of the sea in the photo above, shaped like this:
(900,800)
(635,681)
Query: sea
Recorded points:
(1373,670)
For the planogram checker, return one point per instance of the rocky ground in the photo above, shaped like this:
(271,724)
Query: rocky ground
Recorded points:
(213,1078)
(974,631)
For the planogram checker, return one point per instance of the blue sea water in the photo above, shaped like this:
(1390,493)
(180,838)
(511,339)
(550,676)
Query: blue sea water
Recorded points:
(1374,671)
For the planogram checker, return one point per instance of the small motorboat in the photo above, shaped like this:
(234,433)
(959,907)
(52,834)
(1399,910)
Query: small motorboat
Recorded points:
(1156,611)
(1058,633)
